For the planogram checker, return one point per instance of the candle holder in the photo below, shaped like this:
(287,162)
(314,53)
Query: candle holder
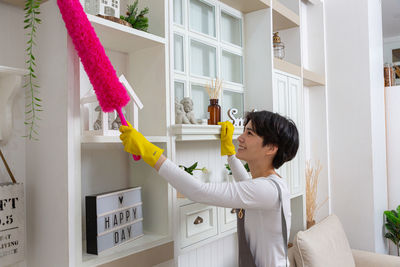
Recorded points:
(279,47)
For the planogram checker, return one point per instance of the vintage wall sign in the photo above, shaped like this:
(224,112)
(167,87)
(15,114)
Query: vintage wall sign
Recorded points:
(12,223)
(113,218)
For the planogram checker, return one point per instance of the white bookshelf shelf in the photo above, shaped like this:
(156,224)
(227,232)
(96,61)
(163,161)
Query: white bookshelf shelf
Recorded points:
(311,78)
(148,241)
(123,38)
(283,18)
(19,3)
(193,132)
(85,139)
(6,71)
(287,67)
(249,5)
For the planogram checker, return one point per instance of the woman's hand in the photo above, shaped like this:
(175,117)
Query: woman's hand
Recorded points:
(227,147)
(135,143)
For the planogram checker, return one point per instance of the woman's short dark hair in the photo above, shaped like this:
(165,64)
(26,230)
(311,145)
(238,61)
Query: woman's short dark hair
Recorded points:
(275,130)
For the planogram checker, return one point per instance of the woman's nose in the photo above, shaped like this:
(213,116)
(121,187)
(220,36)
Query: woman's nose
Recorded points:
(241,138)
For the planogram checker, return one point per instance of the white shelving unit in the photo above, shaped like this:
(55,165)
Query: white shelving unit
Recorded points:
(251,74)
(177,58)
(142,57)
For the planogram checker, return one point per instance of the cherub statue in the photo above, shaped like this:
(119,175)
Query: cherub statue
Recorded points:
(180,115)
(188,108)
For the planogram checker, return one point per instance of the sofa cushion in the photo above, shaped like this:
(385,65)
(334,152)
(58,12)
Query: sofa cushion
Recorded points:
(370,259)
(324,244)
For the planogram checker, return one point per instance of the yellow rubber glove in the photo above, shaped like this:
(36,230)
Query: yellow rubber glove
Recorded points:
(135,143)
(227,147)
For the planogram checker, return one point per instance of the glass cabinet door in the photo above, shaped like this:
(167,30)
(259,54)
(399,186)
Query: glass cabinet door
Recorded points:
(202,59)
(231,67)
(179,90)
(202,17)
(231,29)
(178,12)
(179,64)
(232,100)
(200,101)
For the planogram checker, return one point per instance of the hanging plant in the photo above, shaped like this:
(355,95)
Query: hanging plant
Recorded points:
(32,88)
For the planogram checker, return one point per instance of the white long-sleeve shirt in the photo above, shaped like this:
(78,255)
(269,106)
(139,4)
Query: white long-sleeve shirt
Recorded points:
(258,196)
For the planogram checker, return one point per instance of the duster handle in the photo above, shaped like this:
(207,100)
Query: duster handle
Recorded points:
(123,121)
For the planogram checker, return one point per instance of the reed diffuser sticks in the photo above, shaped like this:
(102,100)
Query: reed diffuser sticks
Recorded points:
(312,177)
(214,89)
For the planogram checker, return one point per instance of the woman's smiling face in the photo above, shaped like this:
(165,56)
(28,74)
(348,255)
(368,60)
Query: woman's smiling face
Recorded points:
(250,144)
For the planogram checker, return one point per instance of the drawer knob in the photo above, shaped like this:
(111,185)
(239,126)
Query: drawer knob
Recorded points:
(233,211)
(198,220)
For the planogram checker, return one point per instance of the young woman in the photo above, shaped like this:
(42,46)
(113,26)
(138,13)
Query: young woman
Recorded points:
(268,141)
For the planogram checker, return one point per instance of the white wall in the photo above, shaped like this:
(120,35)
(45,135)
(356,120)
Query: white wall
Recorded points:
(12,54)
(356,119)
(47,159)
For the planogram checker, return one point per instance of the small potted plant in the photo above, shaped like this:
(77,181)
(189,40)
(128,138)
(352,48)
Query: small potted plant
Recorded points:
(230,177)
(393,227)
(190,170)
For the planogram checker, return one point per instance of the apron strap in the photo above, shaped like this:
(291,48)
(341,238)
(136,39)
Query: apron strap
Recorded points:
(283,221)
(8,168)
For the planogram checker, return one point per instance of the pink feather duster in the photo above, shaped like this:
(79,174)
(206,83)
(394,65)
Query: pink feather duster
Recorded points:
(109,90)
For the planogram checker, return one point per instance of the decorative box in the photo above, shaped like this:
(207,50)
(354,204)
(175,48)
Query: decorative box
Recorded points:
(103,7)
(113,218)
(95,122)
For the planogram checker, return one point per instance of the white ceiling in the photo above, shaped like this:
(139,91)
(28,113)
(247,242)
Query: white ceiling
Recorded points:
(391,18)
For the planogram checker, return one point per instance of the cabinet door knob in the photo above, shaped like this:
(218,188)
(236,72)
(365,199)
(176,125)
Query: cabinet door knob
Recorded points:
(198,220)
(233,211)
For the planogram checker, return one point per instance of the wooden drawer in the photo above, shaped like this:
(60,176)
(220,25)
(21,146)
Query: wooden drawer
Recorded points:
(227,219)
(197,222)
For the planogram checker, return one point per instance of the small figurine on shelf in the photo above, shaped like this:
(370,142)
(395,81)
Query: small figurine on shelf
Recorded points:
(180,115)
(188,108)
(117,122)
(138,21)
(99,122)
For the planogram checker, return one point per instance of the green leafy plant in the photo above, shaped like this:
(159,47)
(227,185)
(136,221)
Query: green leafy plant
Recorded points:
(31,22)
(246,166)
(193,168)
(393,226)
(138,20)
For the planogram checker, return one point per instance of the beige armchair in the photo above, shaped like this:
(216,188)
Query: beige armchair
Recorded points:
(325,245)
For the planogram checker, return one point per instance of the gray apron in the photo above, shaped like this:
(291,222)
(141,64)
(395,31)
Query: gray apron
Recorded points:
(245,257)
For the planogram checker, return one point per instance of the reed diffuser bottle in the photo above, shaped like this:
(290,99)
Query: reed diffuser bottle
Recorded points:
(214,110)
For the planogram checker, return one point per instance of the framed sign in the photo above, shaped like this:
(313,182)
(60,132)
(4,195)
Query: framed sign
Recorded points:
(113,218)
(12,223)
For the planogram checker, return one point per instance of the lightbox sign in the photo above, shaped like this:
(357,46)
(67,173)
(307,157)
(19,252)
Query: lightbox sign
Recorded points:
(113,218)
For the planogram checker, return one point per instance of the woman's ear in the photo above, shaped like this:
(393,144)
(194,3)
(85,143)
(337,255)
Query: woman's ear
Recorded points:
(271,149)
